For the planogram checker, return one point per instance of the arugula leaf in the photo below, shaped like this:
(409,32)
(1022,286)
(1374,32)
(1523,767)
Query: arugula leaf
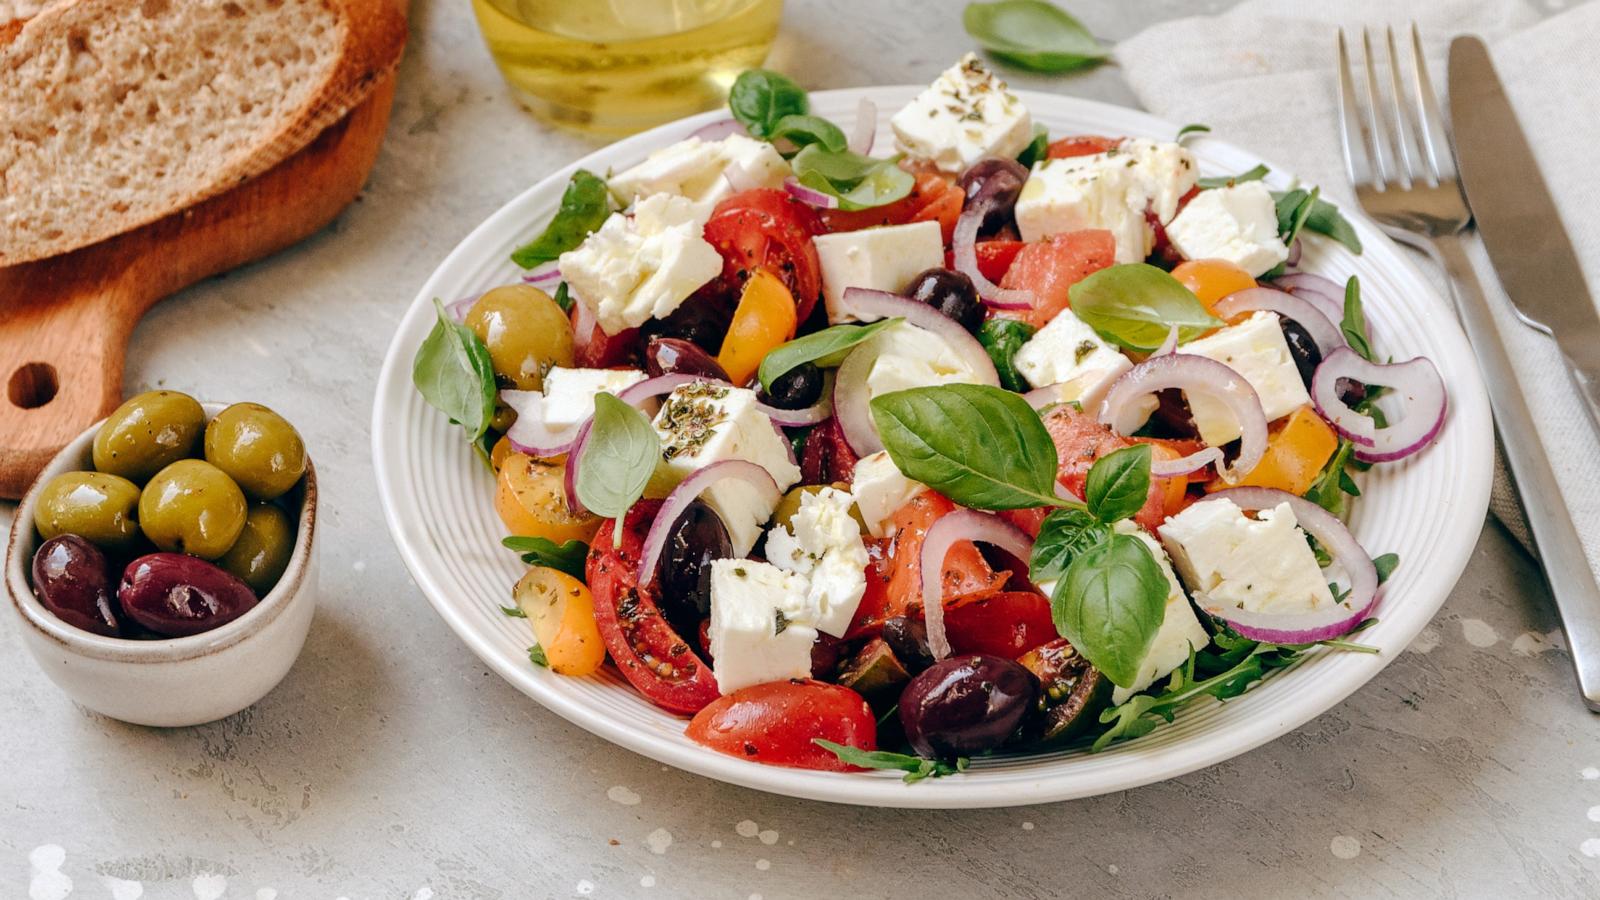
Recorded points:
(453,372)
(538,551)
(1222,181)
(585,204)
(513,612)
(1140,715)
(859,182)
(761,98)
(1032,34)
(1063,536)
(1109,605)
(620,456)
(802,130)
(1325,218)
(826,348)
(983,447)
(563,297)
(1195,128)
(915,767)
(1328,490)
(1385,564)
(1037,149)
(1002,338)
(1136,305)
(1293,208)
(537,657)
(1354,324)
(1118,483)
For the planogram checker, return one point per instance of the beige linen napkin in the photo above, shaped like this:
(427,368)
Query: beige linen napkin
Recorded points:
(1262,76)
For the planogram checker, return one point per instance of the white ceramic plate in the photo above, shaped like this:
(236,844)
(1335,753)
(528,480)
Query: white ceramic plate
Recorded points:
(1428,509)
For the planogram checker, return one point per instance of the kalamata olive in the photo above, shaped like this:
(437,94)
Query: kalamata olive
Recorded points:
(72,579)
(1304,350)
(966,705)
(951,293)
(825,654)
(684,574)
(702,320)
(997,180)
(797,388)
(175,595)
(907,636)
(665,355)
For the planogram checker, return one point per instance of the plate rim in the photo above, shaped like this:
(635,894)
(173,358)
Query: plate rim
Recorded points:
(1469,408)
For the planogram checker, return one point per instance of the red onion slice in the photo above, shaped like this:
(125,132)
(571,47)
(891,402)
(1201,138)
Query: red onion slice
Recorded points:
(1325,293)
(1324,333)
(655,540)
(1172,468)
(583,322)
(1295,249)
(866,127)
(545,273)
(1347,553)
(634,395)
(965,244)
(1168,346)
(457,309)
(960,525)
(530,434)
(850,400)
(1421,390)
(1041,397)
(717,130)
(1122,411)
(809,196)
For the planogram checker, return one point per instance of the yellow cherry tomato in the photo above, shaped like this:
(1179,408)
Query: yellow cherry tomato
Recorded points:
(1297,449)
(764,319)
(499,452)
(1212,279)
(532,502)
(561,611)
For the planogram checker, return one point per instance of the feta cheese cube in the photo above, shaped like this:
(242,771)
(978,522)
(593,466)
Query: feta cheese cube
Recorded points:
(1072,194)
(880,489)
(1179,630)
(753,641)
(825,548)
(1231,560)
(883,259)
(643,266)
(703,423)
(1166,170)
(1238,224)
(910,357)
(966,114)
(704,172)
(1068,353)
(569,393)
(1254,348)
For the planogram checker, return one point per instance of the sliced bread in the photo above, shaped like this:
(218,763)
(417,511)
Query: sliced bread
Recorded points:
(120,112)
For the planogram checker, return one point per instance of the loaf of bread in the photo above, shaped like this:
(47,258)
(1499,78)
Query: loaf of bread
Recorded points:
(120,112)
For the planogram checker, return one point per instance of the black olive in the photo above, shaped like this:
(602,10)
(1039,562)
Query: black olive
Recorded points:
(966,705)
(998,182)
(1304,350)
(950,293)
(797,388)
(663,355)
(684,574)
(703,320)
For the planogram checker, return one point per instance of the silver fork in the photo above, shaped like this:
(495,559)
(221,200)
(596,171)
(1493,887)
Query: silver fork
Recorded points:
(1401,163)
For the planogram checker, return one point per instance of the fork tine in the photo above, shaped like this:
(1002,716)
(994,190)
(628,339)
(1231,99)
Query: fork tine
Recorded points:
(1354,137)
(1435,144)
(1382,133)
(1400,114)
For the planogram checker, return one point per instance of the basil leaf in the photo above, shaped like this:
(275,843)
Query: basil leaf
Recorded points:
(760,98)
(1354,324)
(537,657)
(915,767)
(453,372)
(563,297)
(621,454)
(1109,604)
(803,130)
(513,612)
(981,446)
(859,182)
(1222,181)
(1037,149)
(1002,338)
(1195,128)
(585,204)
(825,348)
(1063,536)
(1032,34)
(569,557)
(1118,483)
(1385,564)
(1325,218)
(1136,304)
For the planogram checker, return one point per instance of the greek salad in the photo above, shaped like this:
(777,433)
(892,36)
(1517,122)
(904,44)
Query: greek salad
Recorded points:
(996,442)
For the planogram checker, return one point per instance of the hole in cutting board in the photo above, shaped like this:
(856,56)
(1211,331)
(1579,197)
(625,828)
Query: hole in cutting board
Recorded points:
(32,385)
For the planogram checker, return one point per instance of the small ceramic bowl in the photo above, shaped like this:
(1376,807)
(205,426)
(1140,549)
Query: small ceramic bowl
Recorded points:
(178,681)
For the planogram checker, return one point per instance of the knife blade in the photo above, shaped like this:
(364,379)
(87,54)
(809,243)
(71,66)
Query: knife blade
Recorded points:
(1517,216)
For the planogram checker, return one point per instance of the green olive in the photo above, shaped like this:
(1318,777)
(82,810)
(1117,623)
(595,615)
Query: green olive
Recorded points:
(148,433)
(192,507)
(526,333)
(258,448)
(263,549)
(790,504)
(98,507)
(504,418)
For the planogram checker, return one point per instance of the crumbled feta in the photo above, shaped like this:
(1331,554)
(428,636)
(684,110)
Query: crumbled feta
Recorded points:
(966,114)
(1179,630)
(1068,353)
(1238,224)
(882,259)
(1110,190)
(753,640)
(705,172)
(1254,348)
(825,548)
(643,266)
(1230,560)
(880,489)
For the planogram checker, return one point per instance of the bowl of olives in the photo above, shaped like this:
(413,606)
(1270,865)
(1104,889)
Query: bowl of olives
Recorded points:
(162,564)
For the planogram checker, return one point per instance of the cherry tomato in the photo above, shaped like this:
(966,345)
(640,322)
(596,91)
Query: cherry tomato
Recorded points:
(764,319)
(1080,145)
(648,652)
(598,350)
(775,723)
(561,611)
(931,187)
(994,257)
(531,500)
(1080,440)
(499,452)
(765,228)
(1212,279)
(1007,624)
(943,206)
(1297,449)
(875,607)
(1052,266)
(967,575)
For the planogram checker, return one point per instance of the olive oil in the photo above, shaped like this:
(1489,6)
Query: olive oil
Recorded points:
(612,67)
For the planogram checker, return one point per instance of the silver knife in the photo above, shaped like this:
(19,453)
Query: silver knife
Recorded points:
(1517,217)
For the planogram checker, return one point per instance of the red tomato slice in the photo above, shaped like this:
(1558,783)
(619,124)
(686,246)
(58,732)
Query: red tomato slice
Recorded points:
(1080,145)
(875,605)
(967,575)
(775,723)
(1080,440)
(765,228)
(1008,624)
(1052,266)
(994,257)
(598,350)
(931,186)
(944,207)
(649,653)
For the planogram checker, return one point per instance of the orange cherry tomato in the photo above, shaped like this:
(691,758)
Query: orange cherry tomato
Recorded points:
(561,611)
(764,319)
(531,501)
(1212,279)
(498,454)
(1297,449)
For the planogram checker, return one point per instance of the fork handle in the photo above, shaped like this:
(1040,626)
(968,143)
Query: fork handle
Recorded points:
(1561,553)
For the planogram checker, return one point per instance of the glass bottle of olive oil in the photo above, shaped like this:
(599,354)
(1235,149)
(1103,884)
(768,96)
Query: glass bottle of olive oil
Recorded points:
(611,67)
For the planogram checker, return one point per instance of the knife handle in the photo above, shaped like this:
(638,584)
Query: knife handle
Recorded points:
(1561,553)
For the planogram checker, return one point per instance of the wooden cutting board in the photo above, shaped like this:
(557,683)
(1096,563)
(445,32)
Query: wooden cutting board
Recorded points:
(65,321)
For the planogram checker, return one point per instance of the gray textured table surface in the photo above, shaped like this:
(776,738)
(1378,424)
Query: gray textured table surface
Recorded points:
(391,764)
